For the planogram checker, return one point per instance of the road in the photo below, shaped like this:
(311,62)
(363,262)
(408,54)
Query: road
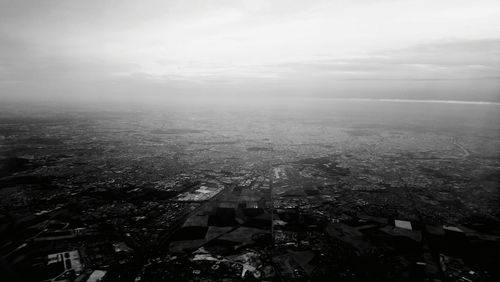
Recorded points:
(465,151)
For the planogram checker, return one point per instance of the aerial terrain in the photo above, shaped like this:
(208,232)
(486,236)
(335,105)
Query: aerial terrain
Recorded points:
(301,190)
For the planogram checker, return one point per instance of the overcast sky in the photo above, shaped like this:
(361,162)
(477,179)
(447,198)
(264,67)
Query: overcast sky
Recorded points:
(429,49)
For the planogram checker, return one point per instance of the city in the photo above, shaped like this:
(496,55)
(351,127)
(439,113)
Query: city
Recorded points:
(127,197)
(249,140)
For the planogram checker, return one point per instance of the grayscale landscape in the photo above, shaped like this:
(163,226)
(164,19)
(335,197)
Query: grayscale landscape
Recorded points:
(249,141)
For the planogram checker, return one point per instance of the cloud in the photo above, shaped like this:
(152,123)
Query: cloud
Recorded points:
(240,47)
(441,60)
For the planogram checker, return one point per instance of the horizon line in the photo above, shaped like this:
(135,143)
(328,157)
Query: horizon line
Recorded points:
(420,101)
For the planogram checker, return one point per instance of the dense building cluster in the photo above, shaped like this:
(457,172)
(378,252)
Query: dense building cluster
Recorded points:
(130,197)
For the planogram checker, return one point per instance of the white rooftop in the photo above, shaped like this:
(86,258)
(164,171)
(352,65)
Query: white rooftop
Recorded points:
(452,228)
(97,276)
(403,224)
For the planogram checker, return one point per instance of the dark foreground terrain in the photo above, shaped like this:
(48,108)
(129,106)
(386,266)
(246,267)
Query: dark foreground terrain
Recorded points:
(302,191)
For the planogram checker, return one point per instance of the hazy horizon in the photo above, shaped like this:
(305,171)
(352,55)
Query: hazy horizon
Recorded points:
(249,140)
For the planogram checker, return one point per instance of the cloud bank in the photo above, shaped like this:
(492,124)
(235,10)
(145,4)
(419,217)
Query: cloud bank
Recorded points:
(351,49)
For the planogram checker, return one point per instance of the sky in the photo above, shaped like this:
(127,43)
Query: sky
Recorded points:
(123,49)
